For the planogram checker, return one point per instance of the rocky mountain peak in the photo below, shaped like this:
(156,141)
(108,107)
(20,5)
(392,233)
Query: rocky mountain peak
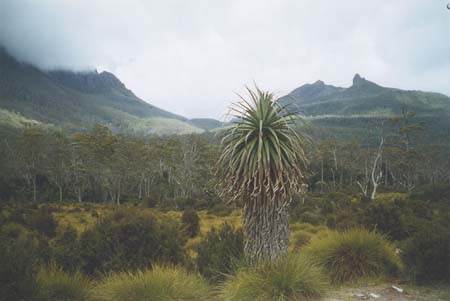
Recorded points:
(90,81)
(357,79)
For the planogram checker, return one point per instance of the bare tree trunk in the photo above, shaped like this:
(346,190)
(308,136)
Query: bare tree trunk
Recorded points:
(376,178)
(118,195)
(60,193)
(34,189)
(321,180)
(140,188)
(386,173)
(364,188)
(79,195)
(266,228)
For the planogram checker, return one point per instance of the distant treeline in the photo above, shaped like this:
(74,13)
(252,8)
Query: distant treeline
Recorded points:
(45,165)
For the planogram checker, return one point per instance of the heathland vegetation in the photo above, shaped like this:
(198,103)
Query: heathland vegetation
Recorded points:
(265,209)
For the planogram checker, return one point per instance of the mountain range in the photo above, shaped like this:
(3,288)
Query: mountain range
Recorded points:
(78,100)
(364,97)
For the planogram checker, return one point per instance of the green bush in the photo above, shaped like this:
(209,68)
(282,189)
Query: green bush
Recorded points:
(220,209)
(157,284)
(131,239)
(427,254)
(300,239)
(219,251)
(353,254)
(18,259)
(439,192)
(42,220)
(55,284)
(292,278)
(66,250)
(191,221)
(385,218)
(17,215)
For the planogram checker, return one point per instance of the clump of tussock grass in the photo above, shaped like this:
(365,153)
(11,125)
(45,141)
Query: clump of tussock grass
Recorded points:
(293,278)
(354,254)
(56,284)
(156,284)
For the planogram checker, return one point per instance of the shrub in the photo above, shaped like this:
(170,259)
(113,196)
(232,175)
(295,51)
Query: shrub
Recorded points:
(131,239)
(157,284)
(55,284)
(219,251)
(353,254)
(427,254)
(42,221)
(220,209)
(17,216)
(313,218)
(18,258)
(291,278)
(300,239)
(66,251)
(432,192)
(191,221)
(385,218)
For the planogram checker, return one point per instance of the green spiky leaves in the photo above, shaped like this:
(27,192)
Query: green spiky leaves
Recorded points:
(262,152)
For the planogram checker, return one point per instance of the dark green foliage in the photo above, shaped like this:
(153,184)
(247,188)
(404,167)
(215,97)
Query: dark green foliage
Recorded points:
(219,252)
(42,221)
(19,256)
(432,193)
(17,215)
(191,222)
(130,239)
(386,218)
(220,209)
(66,250)
(427,253)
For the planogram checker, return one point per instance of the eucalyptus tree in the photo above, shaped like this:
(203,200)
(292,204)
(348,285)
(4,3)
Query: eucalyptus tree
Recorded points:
(30,156)
(58,165)
(263,163)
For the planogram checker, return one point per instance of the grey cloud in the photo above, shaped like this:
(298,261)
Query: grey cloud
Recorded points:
(190,57)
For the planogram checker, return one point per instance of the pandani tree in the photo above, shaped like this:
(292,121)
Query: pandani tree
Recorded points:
(263,163)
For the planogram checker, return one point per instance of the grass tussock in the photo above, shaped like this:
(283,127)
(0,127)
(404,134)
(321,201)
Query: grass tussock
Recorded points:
(293,278)
(55,284)
(353,254)
(157,284)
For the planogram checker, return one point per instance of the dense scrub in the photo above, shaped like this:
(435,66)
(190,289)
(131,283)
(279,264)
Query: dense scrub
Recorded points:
(82,241)
(191,222)
(130,239)
(219,252)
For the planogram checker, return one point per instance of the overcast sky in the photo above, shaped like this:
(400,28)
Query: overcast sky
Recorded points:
(190,57)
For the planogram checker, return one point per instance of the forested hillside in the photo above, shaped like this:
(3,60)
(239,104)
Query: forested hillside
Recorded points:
(343,113)
(77,101)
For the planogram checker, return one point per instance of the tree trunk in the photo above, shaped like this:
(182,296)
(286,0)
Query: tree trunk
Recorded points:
(266,228)
(60,193)
(321,178)
(34,190)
